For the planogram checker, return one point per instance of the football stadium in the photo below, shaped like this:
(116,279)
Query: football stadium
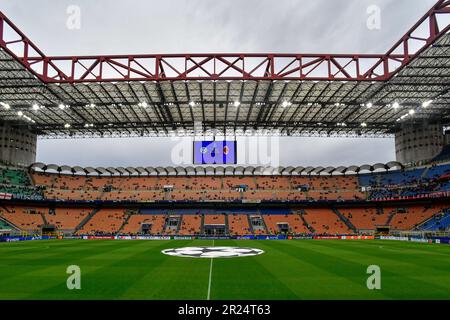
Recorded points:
(218,229)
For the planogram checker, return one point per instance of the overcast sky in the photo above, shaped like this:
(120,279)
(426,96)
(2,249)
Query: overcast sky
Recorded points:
(209,26)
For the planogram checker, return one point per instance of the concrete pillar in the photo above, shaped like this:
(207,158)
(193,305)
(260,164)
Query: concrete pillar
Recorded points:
(17,145)
(416,142)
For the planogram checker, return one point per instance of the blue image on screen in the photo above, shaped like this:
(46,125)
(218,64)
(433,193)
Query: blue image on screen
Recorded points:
(214,152)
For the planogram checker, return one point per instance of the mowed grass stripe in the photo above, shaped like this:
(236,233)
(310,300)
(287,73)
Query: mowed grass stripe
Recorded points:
(304,269)
(121,268)
(35,262)
(319,276)
(246,277)
(51,272)
(400,279)
(399,259)
(177,278)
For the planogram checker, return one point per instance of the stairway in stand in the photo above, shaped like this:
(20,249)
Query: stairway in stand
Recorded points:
(125,221)
(345,220)
(86,220)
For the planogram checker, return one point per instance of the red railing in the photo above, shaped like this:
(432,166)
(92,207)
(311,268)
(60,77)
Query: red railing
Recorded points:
(331,67)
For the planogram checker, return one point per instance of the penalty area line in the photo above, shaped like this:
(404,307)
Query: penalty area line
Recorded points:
(210,277)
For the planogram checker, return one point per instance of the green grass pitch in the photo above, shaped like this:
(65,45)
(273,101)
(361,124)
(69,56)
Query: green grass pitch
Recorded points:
(296,269)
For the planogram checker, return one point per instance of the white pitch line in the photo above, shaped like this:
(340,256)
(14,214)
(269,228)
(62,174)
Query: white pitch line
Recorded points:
(210,276)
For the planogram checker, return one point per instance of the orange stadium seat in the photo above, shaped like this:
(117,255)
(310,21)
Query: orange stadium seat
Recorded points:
(365,218)
(214,219)
(28,219)
(238,224)
(413,216)
(325,221)
(134,223)
(294,221)
(190,224)
(67,218)
(106,221)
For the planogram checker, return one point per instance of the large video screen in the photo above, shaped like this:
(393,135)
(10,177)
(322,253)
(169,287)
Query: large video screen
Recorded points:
(215,152)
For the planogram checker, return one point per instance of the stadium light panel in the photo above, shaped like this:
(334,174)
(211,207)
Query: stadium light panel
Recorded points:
(369,105)
(286,104)
(426,104)
(20,113)
(396,105)
(364,124)
(237,104)
(5,105)
(35,107)
(411,112)
(67,125)
(192,104)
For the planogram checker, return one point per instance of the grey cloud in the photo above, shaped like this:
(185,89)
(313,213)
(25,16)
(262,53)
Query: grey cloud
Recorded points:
(177,26)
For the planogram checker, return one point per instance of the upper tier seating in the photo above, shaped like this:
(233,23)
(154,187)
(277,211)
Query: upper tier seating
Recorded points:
(391,178)
(16,182)
(392,184)
(437,171)
(16,177)
(443,155)
(194,188)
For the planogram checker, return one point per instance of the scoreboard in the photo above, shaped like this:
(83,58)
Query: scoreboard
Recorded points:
(215,152)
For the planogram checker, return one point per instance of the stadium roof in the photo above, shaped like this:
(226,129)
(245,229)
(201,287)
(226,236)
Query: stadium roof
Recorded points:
(232,94)
(216,170)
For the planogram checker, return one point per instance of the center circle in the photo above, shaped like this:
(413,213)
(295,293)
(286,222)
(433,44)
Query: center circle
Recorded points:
(212,252)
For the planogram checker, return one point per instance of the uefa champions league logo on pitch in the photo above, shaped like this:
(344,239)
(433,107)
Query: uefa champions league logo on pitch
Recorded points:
(213,252)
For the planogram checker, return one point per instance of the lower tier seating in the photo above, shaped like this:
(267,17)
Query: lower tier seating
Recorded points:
(322,220)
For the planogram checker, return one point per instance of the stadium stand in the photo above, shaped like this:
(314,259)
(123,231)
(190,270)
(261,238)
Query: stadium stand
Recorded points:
(410,217)
(5,227)
(238,224)
(367,218)
(16,182)
(26,218)
(214,219)
(443,155)
(105,221)
(376,185)
(66,219)
(136,222)
(365,215)
(438,222)
(290,223)
(190,224)
(325,221)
